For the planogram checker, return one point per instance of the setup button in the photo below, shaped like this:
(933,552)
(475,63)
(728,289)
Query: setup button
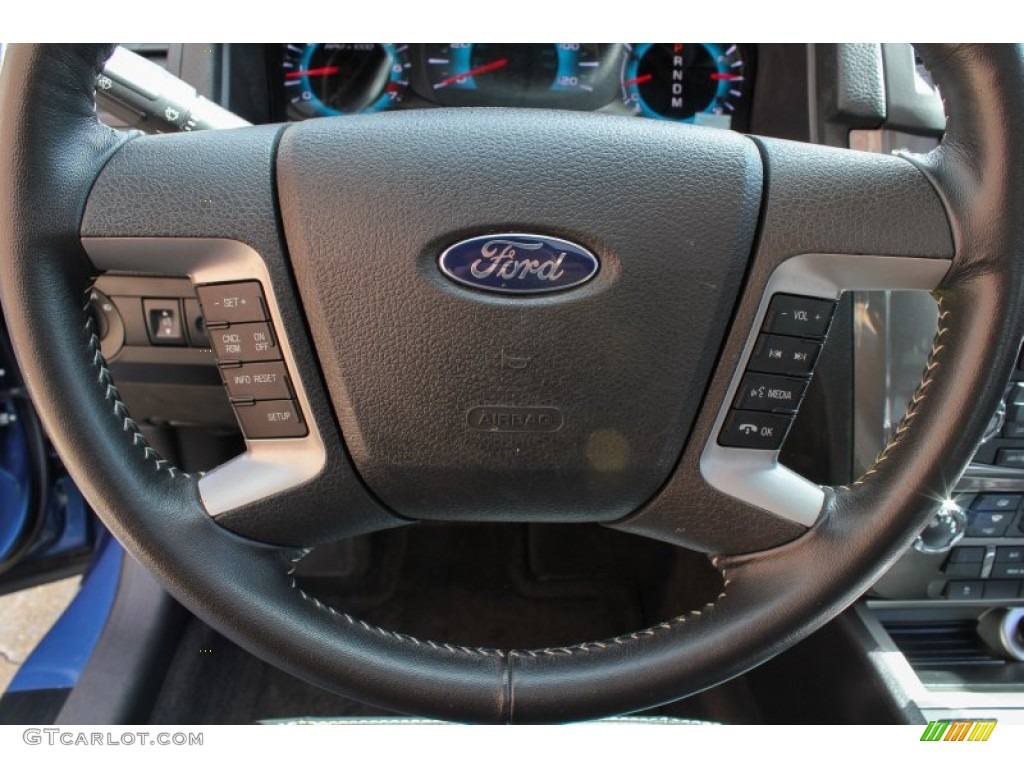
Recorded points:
(270,419)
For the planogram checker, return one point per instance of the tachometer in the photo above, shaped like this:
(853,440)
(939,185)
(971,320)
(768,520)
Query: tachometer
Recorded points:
(343,78)
(703,83)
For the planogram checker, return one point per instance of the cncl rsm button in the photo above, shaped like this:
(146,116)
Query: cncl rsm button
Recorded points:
(245,342)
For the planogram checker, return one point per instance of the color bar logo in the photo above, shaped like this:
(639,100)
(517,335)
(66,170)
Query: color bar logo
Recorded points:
(958,730)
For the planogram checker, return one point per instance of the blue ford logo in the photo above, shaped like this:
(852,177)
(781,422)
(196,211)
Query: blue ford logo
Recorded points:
(515,263)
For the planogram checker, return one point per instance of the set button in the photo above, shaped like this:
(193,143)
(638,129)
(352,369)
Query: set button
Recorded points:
(232,303)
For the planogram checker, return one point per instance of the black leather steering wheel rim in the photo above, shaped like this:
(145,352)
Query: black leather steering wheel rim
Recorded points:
(52,151)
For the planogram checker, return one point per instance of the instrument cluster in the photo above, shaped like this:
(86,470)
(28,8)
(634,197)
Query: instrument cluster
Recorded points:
(703,83)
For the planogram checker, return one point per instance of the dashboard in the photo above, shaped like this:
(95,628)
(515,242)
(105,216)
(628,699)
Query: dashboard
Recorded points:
(708,84)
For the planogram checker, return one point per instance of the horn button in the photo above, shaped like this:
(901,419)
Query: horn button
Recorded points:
(538,385)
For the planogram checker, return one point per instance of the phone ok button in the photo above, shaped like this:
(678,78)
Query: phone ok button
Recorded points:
(754,429)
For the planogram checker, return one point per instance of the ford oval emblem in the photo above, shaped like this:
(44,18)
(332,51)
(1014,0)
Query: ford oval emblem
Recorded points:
(518,263)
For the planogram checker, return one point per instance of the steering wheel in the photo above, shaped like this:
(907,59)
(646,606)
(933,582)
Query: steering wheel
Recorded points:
(614,409)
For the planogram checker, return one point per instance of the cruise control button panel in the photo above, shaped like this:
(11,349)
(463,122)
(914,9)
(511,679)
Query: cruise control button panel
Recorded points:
(778,372)
(245,343)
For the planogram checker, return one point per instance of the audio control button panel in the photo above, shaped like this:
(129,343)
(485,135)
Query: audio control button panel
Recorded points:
(777,373)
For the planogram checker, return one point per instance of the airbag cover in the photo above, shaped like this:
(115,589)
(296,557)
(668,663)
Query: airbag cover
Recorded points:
(458,403)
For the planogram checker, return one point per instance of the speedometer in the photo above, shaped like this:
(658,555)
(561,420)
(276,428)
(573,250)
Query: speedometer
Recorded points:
(518,74)
(703,83)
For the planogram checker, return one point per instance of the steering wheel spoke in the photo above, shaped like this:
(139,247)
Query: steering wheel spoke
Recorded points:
(833,221)
(202,206)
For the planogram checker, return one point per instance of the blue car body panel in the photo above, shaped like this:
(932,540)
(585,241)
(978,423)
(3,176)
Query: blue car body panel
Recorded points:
(58,660)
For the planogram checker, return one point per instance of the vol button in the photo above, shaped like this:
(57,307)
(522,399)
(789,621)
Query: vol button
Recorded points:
(799,316)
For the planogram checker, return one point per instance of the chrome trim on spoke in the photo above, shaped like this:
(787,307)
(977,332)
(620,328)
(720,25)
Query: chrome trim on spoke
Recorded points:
(268,467)
(755,476)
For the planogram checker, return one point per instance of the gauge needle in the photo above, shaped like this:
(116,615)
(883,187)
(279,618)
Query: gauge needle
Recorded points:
(482,69)
(312,72)
(638,80)
(725,76)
